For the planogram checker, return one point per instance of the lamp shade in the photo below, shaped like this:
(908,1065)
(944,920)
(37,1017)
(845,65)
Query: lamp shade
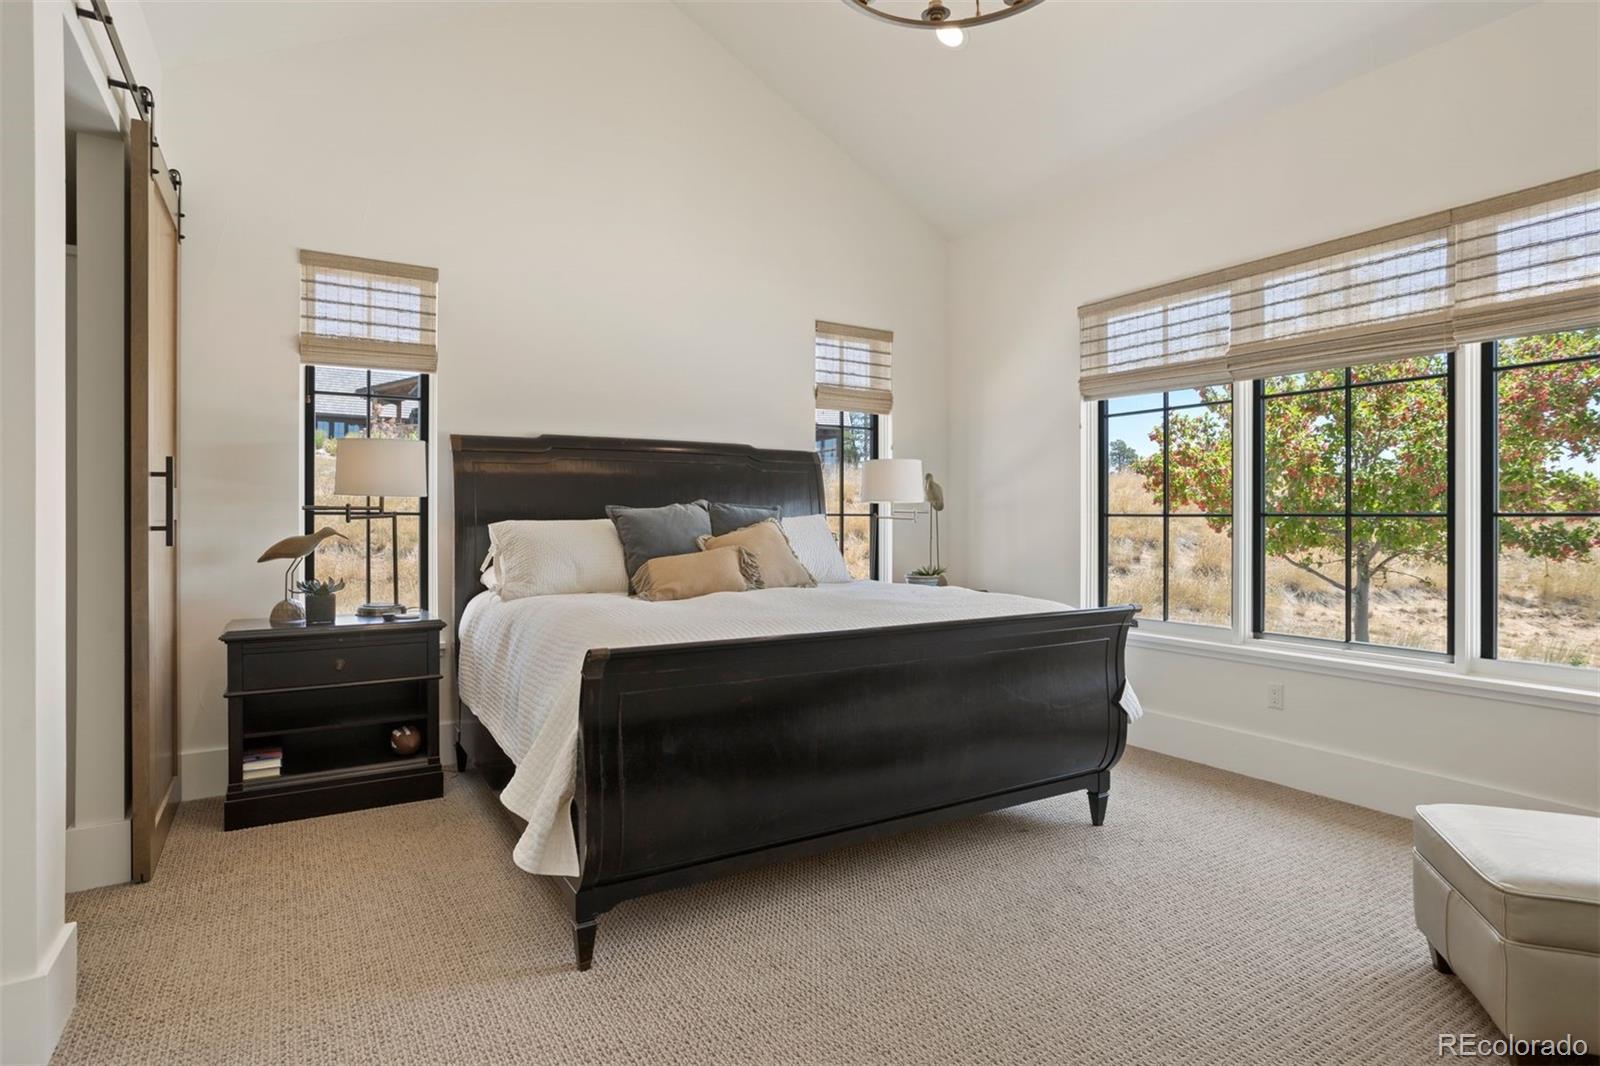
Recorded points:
(892,481)
(367,466)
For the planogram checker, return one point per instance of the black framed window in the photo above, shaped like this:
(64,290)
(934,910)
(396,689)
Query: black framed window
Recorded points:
(1353,489)
(343,402)
(1166,504)
(845,441)
(1541,498)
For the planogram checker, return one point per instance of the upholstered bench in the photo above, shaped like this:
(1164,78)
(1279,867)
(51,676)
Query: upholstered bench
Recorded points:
(1510,902)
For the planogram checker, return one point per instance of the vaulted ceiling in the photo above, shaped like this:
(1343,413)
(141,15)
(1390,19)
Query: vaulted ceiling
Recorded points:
(1039,99)
(1032,104)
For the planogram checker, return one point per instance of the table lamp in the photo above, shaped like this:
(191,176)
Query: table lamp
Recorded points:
(892,481)
(375,467)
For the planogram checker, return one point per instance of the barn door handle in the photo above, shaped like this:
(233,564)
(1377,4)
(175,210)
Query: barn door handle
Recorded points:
(167,526)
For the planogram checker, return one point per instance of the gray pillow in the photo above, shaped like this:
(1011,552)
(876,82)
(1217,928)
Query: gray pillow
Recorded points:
(727,517)
(651,532)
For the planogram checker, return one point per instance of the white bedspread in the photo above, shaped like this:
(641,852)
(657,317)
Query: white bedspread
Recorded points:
(521,663)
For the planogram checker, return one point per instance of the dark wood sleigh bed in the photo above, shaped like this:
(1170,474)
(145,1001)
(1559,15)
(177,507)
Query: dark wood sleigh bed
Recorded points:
(698,760)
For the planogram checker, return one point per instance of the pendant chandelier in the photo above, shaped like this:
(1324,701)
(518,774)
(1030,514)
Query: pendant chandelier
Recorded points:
(950,30)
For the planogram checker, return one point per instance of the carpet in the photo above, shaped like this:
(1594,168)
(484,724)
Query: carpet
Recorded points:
(1214,918)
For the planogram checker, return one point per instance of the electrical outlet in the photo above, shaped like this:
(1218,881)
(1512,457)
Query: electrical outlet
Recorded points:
(1274,697)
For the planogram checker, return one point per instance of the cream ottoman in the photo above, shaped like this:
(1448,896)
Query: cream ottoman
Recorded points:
(1510,902)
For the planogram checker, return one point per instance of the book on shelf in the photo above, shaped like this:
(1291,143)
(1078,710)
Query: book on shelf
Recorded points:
(261,762)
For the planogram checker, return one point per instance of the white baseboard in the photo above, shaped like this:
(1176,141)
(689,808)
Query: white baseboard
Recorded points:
(98,855)
(1359,779)
(34,1009)
(203,772)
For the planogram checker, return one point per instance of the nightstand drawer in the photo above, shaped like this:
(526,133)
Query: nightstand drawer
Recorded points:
(332,665)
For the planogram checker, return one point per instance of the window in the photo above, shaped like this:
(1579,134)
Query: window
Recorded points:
(846,440)
(1541,522)
(1350,438)
(1166,504)
(853,369)
(345,402)
(368,313)
(1353,483)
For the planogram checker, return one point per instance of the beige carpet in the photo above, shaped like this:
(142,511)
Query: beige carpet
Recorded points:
(1212,919)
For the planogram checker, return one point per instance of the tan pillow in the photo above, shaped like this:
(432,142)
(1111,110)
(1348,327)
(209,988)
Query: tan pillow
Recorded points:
(683,577)
(780,567)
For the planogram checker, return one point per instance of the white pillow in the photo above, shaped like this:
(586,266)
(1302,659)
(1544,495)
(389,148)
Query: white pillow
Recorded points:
(486,572)
(547,558)
(815,547)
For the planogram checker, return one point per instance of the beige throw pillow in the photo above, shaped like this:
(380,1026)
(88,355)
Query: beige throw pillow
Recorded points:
(683,577)
(779,567)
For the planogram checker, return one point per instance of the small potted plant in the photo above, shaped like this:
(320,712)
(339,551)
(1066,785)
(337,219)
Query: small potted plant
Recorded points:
(927,575)
(321,600)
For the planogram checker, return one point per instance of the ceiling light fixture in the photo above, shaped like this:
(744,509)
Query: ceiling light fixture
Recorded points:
(950,31)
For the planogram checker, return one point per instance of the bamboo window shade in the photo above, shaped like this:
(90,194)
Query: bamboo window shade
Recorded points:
(368,313)
(854,368)
(1522,263)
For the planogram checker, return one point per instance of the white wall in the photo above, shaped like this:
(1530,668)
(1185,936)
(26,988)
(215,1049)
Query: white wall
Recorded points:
(37,946)
(1507,106)
(51,76)
(634,236)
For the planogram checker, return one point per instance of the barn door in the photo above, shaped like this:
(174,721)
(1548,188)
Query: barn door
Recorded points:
(153,483)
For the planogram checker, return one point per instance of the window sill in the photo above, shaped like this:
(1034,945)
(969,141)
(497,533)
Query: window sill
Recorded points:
(1410,674)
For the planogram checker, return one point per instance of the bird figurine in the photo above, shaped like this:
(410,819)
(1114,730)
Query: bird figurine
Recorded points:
(933,492)
(287,612)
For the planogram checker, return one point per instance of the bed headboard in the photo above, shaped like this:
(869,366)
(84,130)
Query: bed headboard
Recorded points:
(497,478)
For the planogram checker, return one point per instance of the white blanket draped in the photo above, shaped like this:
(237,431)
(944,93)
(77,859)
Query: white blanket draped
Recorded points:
(522,661)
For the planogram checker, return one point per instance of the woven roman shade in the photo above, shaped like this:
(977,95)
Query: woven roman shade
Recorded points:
(1167,340)
(368,313)
(853,368)
(1529,262)
(1371,301)
(1522,263)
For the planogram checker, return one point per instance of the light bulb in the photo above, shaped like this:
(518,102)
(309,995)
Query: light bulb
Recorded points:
(951,36)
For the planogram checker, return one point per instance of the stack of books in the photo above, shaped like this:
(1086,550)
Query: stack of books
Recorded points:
(263,762)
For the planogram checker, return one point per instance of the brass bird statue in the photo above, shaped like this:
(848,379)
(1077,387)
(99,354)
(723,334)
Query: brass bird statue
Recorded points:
(299,547)
(295,549)
(933,493)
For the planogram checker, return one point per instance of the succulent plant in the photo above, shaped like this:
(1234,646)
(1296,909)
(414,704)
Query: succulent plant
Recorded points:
(318,588)
(928,571)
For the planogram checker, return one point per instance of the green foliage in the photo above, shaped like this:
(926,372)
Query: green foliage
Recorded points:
(1398,453)
(1550,417)
(318,439)
(928,571)
(313,587)
(1120,456)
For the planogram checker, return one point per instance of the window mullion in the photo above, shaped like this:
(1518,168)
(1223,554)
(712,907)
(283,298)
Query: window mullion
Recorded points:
(1166,509)
(1488,500)
(1102,477)
(1348,505)
(1258,489)
(1467,479)
(1243,531)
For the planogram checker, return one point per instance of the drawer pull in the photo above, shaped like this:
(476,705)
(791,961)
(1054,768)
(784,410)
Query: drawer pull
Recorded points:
(338,664)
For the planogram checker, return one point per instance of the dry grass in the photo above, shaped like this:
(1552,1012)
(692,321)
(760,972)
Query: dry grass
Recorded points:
(346,560)
(857,533)
(1549,611)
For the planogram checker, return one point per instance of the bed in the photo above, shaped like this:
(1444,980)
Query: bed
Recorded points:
(661,744)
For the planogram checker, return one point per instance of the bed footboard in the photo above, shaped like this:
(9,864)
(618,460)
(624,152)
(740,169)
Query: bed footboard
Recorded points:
(700,759)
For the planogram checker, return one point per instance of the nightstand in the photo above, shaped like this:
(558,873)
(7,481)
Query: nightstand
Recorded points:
(310,711)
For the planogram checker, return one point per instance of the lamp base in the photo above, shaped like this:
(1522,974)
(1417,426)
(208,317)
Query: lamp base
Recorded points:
(378,610)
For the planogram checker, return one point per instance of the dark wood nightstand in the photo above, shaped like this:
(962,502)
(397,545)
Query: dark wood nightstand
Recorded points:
(325,698)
